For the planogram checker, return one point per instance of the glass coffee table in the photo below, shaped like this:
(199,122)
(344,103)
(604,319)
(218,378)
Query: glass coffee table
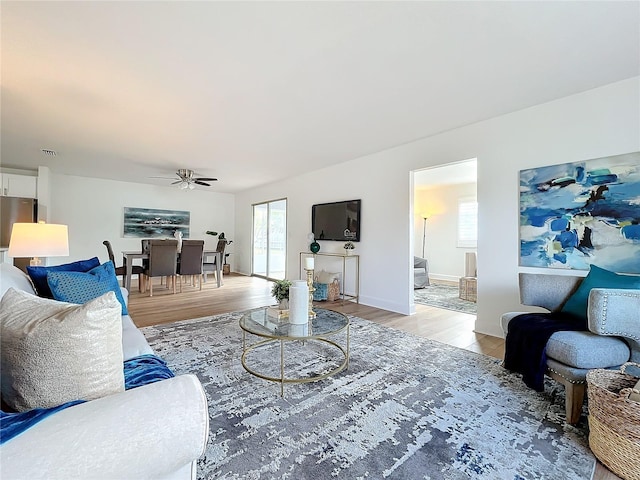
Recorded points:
(326,323)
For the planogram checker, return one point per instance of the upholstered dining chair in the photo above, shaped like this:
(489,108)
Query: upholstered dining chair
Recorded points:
(163,256)
(190,262)
(211,267)
(135,269)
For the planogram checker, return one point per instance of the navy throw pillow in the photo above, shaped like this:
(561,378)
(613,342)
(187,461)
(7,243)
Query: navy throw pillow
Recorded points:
(39,274)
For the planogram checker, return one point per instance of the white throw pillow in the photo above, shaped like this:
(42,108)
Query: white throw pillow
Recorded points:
(54,352)
(327,277)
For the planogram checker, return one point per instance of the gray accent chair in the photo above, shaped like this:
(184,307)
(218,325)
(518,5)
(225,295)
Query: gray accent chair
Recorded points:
(613,337)
(420,272)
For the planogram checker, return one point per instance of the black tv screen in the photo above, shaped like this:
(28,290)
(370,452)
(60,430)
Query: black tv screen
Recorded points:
(336,221)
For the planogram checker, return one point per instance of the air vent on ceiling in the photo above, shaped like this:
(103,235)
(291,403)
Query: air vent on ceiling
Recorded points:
(50,153)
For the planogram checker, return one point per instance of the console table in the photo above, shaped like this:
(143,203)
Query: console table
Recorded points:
(345,258)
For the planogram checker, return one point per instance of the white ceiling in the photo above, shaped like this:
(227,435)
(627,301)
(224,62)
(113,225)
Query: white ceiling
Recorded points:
(252,92)
(450,174)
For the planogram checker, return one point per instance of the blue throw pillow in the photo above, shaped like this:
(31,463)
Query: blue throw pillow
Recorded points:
(80,287)
(39,274)
(321,291)
(598,277)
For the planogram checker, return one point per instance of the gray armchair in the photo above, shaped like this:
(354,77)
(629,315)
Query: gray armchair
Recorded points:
(613,337)
(420,272)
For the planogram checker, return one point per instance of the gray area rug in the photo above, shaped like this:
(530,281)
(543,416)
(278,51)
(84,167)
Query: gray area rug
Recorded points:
(443,296)
(407,408)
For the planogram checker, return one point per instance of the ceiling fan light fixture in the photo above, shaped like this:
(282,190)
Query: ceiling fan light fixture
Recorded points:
(188,181)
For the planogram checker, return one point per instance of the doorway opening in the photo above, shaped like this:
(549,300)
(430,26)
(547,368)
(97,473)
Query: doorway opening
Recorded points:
(445,235)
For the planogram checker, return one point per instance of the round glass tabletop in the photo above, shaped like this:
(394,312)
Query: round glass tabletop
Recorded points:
(326,322)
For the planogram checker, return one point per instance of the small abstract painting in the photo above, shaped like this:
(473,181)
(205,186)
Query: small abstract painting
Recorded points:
(153,223)
(582,213)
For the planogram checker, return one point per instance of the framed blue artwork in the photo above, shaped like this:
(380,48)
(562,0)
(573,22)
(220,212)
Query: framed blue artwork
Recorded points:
(154,223)
(582,213)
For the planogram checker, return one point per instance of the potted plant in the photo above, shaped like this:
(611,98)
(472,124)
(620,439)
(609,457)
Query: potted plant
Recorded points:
(280,292)
(348,247)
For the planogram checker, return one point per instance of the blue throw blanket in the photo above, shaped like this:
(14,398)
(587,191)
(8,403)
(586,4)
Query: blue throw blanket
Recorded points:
(526,342)
(138,371)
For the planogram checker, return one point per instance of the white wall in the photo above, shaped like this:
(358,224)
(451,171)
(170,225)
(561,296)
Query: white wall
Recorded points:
(93,209)
(446,259)
(596,123)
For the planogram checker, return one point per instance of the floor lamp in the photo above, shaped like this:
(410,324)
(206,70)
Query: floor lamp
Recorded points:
(424,234)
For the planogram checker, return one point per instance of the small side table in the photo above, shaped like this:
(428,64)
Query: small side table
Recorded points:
(468,289)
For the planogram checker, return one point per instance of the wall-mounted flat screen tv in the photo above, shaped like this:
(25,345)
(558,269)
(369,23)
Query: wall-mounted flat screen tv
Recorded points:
(336,221)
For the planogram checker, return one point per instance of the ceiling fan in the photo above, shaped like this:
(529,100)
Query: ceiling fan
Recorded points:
(188,180)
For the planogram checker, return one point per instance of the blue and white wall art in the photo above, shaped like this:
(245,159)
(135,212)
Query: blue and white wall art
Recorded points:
(154,223)
(582,213)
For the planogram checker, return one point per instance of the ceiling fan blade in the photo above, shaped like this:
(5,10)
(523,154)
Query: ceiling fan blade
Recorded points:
(201,183)
(206,179)
(177,182)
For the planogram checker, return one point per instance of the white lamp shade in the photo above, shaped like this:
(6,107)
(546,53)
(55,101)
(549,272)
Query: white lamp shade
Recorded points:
(39,240)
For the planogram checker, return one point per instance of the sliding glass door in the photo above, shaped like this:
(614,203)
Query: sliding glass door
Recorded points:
(270,239)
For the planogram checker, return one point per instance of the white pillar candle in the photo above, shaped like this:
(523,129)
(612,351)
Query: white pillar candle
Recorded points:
(298,302)
(308,263)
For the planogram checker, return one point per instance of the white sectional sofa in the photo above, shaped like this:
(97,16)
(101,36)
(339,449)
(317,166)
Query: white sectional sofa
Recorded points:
(155,431)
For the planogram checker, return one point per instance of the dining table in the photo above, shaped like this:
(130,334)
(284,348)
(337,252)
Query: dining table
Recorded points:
(129,256)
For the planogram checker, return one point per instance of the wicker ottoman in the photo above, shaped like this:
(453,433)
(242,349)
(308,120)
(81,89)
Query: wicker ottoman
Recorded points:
(468,289)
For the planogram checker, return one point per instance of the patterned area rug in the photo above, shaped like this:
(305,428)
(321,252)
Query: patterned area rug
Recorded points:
(443,296)
(407,408)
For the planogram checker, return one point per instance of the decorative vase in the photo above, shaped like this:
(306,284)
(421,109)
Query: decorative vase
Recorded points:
(314,247)
(178,236)
(284,304)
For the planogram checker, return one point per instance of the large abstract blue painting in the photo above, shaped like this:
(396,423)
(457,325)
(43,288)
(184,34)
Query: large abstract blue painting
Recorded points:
(582,213)
(155,223)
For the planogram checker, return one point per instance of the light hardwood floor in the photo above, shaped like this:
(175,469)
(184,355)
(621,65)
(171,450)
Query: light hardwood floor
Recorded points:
(240,292)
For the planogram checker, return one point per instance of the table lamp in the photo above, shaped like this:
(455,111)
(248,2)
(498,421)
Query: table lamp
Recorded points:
(38,240)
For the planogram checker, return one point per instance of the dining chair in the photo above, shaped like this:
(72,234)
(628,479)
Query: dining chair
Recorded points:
(211,267)
(163,255)
(190,261)
(135,269)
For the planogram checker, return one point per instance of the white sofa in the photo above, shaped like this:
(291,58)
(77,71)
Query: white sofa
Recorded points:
(155,431)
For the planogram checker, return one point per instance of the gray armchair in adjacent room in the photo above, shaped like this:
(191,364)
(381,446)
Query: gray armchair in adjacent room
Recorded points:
(420,272)
(613,337)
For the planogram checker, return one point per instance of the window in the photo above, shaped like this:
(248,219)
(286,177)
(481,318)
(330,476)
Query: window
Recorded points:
(270,239)
(467,222)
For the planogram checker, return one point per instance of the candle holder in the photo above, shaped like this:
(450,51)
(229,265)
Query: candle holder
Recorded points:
(312,314)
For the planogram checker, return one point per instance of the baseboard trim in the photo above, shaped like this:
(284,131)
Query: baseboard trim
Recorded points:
(446,278)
